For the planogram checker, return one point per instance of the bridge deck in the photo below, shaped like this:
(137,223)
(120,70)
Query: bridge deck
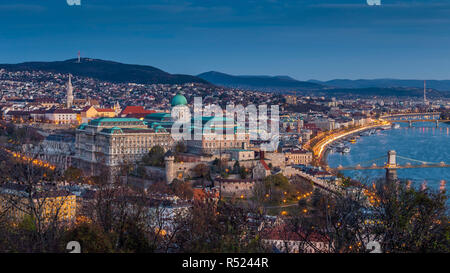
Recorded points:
(412,114)
(397,167)
(419,120)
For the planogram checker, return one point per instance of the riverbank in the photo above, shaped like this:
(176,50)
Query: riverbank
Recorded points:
(320,148)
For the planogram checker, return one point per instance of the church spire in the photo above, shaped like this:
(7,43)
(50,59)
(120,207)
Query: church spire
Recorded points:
(117,108)
(69,91)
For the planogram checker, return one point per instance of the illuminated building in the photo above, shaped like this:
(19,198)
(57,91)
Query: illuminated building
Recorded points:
(16,203)
(115,141)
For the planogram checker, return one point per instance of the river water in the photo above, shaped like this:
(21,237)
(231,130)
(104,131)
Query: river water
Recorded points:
(422,142)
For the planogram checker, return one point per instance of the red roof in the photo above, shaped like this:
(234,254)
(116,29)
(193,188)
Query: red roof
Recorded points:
(135,110)
(201,194)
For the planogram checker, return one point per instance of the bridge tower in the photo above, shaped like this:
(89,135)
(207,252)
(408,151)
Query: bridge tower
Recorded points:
(392,159)
(391,166)
(442,186)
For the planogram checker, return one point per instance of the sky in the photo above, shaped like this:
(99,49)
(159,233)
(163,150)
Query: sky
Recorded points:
(304,39)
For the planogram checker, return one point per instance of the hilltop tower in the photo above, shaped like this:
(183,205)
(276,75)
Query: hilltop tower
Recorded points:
(69,92)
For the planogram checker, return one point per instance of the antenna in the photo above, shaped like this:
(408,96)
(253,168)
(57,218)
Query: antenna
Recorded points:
(425,91)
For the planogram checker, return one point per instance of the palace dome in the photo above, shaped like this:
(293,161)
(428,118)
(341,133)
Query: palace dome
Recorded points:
(179,100)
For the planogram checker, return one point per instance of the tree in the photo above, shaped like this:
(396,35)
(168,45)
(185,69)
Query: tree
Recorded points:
(414,221)
(236,167)
(316,198)
(35,197)
(218,228)
(141,172)
(276,186)
(302,203)
(201,170)
(91,238)
(243,172)
(73,174)
(155,157)
(180,148)
(401,220)
(182,189)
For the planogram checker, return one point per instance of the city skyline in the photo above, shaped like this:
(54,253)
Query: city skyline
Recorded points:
(320,40)
(190,126)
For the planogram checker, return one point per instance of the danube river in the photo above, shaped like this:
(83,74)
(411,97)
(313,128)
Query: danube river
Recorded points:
(422,142)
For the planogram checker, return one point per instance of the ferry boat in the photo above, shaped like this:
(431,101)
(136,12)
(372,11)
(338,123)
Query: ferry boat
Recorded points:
(344,149)
(366,133)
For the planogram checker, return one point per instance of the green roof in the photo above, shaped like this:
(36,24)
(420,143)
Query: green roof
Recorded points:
(160,128)
(158,116)
(205,119)
(112,130)
(163,123)
(82,126)
(179,100)
(99,121)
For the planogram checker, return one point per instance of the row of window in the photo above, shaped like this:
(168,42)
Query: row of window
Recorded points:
(224,144)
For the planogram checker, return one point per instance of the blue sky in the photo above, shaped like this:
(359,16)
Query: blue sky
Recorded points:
(305,39)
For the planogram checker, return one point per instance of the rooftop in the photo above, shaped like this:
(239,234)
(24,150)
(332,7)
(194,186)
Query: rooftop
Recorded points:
(100,121)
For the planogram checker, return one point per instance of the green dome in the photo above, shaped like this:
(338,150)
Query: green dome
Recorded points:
(179,100)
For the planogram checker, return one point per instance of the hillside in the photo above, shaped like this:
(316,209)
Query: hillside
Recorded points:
(106,71)
(386,92)
(440,85)
(262,83)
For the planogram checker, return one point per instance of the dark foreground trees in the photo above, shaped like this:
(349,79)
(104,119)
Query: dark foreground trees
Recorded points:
(399,219)
(219,228)
(118,218)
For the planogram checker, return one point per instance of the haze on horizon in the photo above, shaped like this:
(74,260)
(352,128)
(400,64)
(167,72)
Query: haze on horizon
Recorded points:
(304,39)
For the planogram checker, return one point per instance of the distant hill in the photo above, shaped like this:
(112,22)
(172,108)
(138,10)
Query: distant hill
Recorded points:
(386,92)
(261,83)
(285,84)
(107,71)
(441,85)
